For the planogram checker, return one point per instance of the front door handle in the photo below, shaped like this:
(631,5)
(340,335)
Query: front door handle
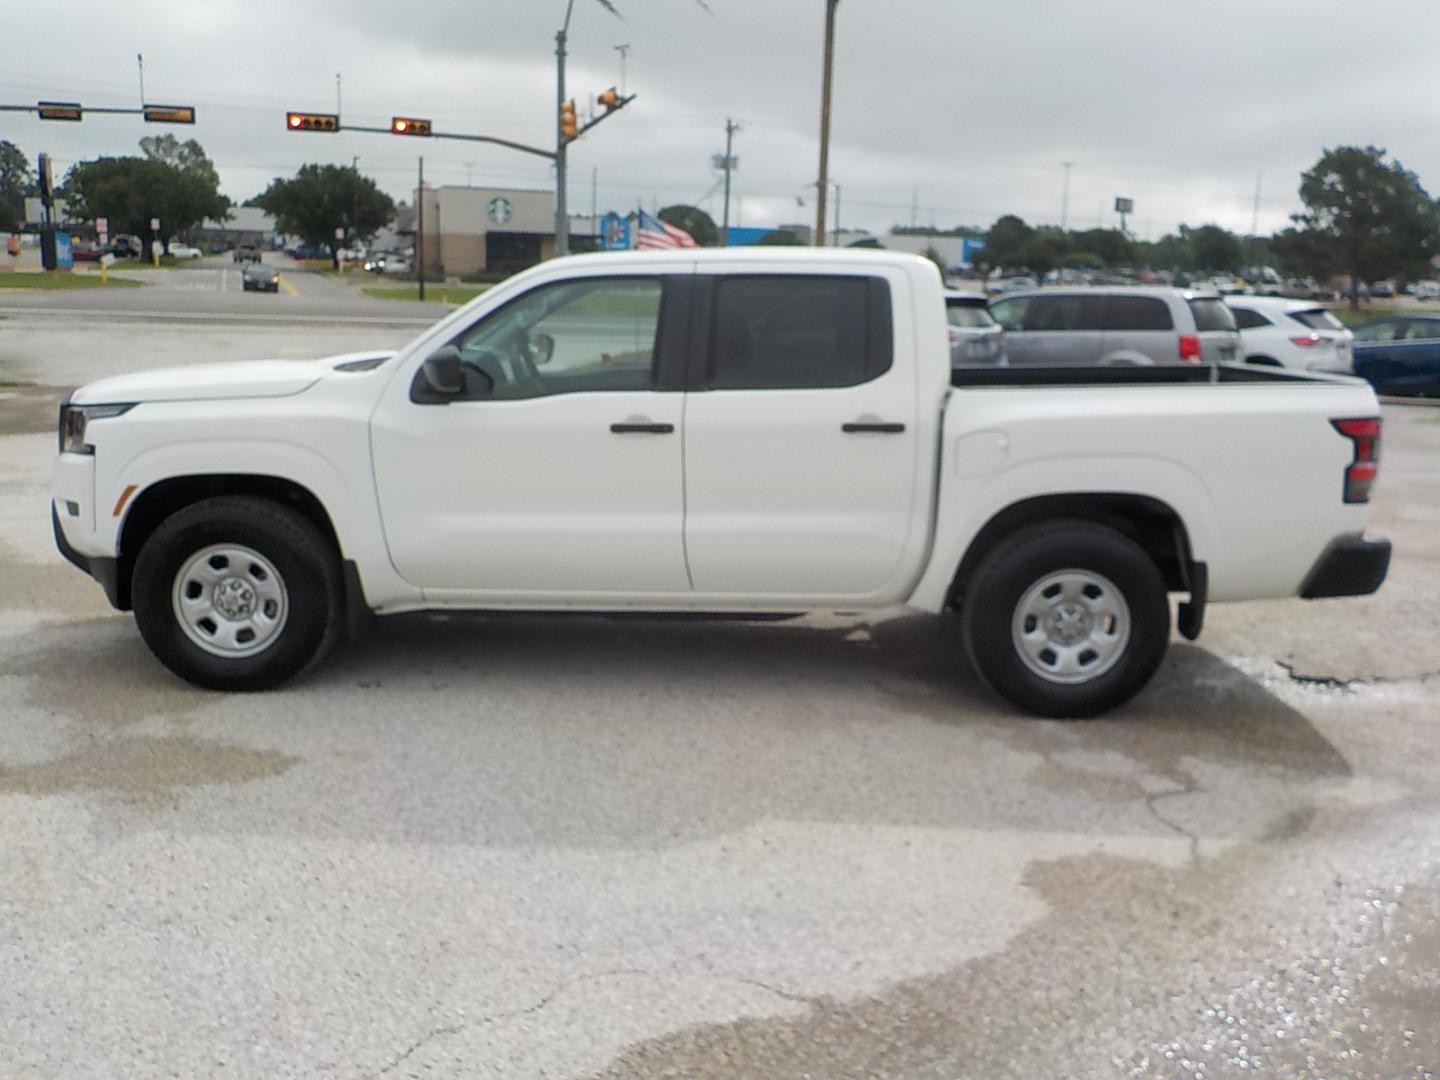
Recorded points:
(641,427)
(876,427)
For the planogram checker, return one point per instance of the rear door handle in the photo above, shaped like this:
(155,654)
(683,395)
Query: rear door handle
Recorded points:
(641,428)
(874,427)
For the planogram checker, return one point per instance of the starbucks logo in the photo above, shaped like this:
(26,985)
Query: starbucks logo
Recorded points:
(500,210)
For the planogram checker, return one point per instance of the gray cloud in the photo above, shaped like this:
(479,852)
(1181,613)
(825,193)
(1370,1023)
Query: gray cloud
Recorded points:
(963,108)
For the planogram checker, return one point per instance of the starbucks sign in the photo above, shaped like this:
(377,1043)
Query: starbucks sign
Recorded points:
(500,210)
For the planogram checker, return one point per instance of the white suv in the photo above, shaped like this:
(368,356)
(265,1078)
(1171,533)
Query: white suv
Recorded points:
(1294,334)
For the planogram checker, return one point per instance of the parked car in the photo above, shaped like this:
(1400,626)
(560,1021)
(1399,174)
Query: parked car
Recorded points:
(807,446)
(398,264)
(260,277)
(1382,289)
(1011,284)
(1227,285)
(1428,291)
(184,251)
(1400,356)
(87,253)
(1292,333)
(246,253)
(125,246)
(975,336)
(1116,325)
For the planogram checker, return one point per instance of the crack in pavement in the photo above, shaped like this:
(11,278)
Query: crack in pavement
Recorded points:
(530,1010)
(1191,788)
(1335,683)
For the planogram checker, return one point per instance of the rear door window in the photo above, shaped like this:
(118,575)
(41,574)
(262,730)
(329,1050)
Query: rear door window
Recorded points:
(1011,313)
(1065,312)
(791,331)
(1389,330)
(1212,314)
(1422,330)
(1137,313)
(1246,319)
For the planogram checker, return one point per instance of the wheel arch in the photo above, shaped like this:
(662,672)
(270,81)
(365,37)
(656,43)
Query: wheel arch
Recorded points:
(157,502)
(1149,522)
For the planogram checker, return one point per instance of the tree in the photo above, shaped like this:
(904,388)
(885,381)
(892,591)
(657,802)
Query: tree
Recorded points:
(1371,216)
(320,199)
(1111,246)
(694,221)
(1213,249)
(1004,242)
(129,191)
(17,180)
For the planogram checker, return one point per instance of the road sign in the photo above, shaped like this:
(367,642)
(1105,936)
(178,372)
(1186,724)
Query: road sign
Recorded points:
(339,233)
(102,224)
(1124,205)
(169,114)
(154,224)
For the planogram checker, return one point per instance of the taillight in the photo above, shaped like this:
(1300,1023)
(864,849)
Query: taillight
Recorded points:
(1190,351)
(1360,473)
(1306,341)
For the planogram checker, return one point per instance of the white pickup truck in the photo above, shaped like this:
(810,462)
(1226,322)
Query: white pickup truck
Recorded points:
(718,432)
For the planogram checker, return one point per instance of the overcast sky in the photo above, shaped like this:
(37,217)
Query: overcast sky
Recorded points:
(961,109)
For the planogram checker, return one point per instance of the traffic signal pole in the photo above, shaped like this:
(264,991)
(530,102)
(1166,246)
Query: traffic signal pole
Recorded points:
(562,213)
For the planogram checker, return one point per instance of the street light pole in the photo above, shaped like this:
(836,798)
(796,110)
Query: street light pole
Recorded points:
(826,80)
(562,213)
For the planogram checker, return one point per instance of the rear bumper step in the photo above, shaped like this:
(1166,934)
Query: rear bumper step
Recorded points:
(1349,566)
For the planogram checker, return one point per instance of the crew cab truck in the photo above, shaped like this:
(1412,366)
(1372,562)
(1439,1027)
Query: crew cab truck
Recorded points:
(717,432)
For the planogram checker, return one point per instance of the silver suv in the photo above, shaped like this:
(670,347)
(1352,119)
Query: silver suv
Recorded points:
(1116,325)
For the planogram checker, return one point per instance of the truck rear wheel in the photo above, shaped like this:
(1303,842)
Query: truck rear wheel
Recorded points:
(237,593)
(1066,619)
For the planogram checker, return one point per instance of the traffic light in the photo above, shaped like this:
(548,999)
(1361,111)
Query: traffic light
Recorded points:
(409,125)
(306,121)
(169,114)
(569,123)
(58,110)
(609,99)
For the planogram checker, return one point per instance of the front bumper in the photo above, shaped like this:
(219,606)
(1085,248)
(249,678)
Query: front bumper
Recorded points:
(1349,566)
(105,571)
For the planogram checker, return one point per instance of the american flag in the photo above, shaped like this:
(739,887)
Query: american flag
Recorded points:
(654,233)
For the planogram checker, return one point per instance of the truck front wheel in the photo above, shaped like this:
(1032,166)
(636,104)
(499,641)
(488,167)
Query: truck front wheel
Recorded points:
(1066,619)
(236,593)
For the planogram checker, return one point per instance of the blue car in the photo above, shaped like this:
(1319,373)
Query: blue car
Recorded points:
(1400,355)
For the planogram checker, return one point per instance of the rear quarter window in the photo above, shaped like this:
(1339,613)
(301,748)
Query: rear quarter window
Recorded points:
(1212,314)
(1246,319)
(1317,319)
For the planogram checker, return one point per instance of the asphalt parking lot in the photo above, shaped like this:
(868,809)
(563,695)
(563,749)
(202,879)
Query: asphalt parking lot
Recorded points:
(532,847)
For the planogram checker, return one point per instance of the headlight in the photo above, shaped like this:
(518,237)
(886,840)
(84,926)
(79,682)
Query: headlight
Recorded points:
(75,418)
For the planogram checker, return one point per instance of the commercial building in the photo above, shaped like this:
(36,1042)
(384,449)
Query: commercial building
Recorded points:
(473,230)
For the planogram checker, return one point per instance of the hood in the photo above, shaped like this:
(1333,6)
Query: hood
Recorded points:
(208,382)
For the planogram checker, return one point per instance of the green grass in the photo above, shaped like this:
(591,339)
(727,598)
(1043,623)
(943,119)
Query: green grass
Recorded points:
(60,279)
(434,294)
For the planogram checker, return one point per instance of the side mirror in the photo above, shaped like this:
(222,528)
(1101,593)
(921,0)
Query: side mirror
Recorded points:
(542,349)
(442,372)
(442,378)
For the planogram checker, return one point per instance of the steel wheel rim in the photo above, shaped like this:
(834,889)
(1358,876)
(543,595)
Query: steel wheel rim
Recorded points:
(230,601)
(1071,627)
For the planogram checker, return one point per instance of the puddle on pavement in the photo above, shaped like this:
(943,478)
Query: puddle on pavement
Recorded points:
(1139,971)
(29,410)
(143,766)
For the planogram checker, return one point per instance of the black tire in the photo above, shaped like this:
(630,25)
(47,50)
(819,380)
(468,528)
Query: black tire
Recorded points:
(306,572)
(1012,574)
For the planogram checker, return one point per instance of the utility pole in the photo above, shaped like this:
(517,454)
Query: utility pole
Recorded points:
(140,63)
(827,80)
(914,204)
(562,213)
(420,228)
(837,215)
(730,129)
(338,110)
(1065,196)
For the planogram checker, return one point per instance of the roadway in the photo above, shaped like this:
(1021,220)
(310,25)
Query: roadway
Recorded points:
(521,847)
